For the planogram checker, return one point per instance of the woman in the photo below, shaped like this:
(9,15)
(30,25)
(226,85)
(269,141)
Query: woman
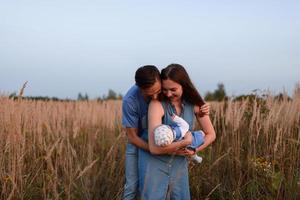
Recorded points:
(164,171)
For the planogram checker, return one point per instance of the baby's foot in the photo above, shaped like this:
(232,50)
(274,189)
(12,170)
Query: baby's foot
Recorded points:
(197,159)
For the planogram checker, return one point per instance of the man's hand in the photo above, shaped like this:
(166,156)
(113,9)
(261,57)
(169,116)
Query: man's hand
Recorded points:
(204,110)
(132,135)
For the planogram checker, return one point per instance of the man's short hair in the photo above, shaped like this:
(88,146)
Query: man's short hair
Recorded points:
(146,76)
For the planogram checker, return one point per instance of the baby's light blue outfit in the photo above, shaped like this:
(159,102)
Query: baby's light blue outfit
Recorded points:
(198,137)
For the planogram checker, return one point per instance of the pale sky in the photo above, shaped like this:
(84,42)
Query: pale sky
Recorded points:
(63,47)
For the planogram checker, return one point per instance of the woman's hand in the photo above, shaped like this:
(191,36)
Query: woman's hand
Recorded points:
(188,138)
(185,152)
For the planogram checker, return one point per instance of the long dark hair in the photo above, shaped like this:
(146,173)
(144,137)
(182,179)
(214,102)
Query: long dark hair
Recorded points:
(178,74)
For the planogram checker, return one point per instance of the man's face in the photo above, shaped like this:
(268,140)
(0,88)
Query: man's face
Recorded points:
(153,91)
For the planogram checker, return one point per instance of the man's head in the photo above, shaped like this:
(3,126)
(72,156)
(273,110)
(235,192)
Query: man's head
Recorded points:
(147,78)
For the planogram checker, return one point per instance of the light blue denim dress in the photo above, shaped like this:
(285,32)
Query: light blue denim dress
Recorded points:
(165,175)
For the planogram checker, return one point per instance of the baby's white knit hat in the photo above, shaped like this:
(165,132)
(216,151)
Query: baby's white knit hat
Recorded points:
(163,135)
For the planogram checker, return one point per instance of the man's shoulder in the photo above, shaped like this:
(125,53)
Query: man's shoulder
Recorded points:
(131,93)
(133,96)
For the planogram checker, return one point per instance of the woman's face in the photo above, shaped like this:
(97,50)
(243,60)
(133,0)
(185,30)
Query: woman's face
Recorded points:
(172,90)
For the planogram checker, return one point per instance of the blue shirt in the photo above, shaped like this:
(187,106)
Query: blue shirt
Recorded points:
(135,110)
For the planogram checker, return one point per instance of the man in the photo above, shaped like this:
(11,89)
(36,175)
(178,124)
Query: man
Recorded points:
(134,120)
(135,109)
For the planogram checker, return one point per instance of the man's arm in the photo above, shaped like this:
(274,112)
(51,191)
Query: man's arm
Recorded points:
(132,135)
(130,122)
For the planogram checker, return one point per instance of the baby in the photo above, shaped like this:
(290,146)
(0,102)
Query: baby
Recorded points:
(165,135)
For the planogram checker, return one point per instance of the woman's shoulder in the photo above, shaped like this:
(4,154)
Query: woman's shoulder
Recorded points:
(156,106)
(155,103)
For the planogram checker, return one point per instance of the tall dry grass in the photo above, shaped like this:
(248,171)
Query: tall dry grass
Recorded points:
(55,150)
(76,150)
(257,151)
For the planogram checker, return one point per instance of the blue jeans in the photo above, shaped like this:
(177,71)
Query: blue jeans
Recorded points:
(131,172)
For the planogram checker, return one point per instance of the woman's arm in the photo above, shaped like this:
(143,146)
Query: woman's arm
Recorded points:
(155,114)
(207,127)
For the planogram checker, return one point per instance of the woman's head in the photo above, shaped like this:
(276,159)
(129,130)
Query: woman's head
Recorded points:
(177,84)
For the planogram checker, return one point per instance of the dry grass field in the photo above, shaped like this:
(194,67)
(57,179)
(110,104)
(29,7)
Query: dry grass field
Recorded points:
(76,150)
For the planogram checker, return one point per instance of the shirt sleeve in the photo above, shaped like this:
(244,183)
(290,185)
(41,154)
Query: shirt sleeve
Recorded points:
(130,114)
